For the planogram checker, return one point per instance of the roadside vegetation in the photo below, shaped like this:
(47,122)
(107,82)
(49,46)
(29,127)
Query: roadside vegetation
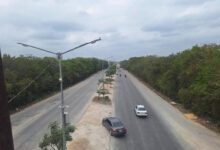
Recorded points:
(43,76)
(53,140)
(191,78)
(106,80)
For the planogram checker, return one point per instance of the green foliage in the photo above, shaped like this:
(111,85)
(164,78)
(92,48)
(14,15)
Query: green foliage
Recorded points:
(102,80)
(111,70)
(109,80)
(54,139)
(20,71)
(191,77)
(102,92)
(105,81)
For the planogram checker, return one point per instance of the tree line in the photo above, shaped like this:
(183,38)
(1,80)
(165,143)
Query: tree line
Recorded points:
(43,76)
(190,77)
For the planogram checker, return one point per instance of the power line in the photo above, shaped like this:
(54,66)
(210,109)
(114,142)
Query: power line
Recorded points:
(29,84)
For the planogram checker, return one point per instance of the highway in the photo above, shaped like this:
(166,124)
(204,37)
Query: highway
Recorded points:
(143,133)
(165,129)
(31,124)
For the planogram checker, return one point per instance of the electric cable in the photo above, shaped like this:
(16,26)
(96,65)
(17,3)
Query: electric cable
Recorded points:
(29,84)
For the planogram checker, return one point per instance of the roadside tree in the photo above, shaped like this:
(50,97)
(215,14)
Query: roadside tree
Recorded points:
(53,140)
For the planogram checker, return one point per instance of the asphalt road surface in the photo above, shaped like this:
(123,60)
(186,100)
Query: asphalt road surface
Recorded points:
(143,133)
(31,124)
(165,129)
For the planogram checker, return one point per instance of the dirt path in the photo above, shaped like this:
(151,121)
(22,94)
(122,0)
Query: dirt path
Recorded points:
(90,134)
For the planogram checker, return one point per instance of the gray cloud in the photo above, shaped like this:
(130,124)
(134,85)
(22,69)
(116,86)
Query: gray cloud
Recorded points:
(128,27)
(60,26)
(48,35)
(55,30)
(190,2)
(184,23)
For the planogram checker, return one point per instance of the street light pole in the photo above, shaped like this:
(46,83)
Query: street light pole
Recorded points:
(59,57)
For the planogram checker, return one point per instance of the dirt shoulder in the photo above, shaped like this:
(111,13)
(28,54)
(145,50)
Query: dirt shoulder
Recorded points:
(90,134)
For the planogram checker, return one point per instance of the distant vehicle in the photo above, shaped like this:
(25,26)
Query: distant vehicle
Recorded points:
(140,111)
(114,126)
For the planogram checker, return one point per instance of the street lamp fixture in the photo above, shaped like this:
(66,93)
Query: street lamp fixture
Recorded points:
(59,57)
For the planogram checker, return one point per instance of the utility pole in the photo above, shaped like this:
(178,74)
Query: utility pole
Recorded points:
(6,140)
(59,57)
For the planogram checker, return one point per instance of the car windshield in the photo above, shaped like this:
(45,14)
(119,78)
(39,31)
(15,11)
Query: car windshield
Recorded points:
(141,109)
(117,124)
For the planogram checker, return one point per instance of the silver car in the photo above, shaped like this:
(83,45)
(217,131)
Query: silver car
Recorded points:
(140,111)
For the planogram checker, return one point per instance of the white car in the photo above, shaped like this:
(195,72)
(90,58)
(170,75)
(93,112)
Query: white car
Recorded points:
(141,111)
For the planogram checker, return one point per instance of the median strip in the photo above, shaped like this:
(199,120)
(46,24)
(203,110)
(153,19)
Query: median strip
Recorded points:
(90,134)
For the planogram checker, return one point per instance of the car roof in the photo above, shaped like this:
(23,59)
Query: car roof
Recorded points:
(114,119)
(140,106)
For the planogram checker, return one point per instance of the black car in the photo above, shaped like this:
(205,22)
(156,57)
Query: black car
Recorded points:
(114,126)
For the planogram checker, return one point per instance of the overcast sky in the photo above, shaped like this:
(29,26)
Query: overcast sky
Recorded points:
(128,28)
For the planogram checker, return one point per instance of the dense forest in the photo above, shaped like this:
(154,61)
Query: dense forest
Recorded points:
(191,77)
(41,76)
